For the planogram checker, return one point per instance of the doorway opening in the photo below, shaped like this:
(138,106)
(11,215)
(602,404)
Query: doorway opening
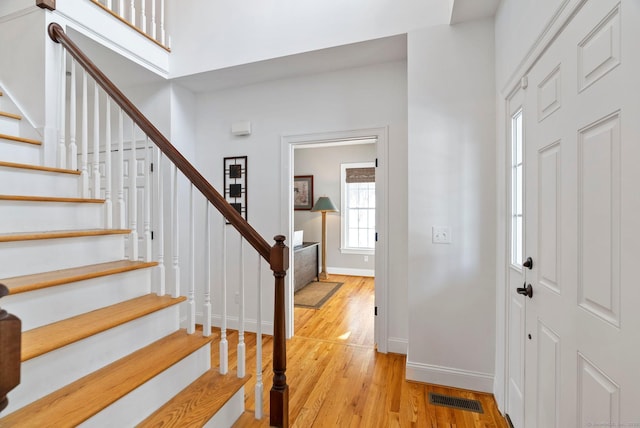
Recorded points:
(325,157)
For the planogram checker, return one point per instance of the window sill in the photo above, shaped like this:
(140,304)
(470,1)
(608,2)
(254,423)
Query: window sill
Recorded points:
(362,251)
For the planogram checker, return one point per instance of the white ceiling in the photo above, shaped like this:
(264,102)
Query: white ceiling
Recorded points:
(320,61)
(469,10)
(126,73)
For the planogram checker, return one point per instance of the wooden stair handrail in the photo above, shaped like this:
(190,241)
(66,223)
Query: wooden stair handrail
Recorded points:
(57,34)
(277,255)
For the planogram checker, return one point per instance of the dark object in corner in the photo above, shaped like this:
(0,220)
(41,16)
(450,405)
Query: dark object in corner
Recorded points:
(10,344)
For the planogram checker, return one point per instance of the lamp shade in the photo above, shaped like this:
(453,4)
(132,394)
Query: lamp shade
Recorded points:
(324,204)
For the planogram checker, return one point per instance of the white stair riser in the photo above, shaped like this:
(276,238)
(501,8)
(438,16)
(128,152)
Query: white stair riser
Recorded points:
(48,305)
(20,152)
(146,399)
(49,372)
(9,126)
(28,216)
(229,413)
(17,181)
(43,255)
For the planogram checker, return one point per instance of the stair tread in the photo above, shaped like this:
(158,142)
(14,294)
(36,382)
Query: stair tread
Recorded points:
(24,283)
(30,236)
(20,139)
(10,115)
(198,402)
(78,401)
(44,339)
(27,198)
(38,168)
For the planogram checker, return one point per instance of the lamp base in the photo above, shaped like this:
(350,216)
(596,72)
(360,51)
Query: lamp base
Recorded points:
(323,275)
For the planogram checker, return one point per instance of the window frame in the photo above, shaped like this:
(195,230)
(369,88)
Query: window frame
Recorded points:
(516,252)
(344,223)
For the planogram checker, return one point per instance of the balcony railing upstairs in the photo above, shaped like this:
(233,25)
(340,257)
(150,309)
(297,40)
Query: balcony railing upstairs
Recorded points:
(104,136)
(146,16)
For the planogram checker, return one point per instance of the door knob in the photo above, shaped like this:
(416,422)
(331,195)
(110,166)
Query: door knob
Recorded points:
(526,291)
(528,263)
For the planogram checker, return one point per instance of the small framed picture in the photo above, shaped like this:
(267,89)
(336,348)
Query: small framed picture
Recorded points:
(235,183)
(302,192)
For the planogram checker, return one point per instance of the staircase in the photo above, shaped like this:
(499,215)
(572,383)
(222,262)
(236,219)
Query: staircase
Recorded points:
(99,346)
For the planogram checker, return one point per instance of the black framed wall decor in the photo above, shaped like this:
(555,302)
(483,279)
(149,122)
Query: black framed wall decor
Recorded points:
(235,183)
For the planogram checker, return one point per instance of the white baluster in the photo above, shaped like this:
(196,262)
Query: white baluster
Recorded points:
(163,37)
(160,232)
(132,12)
(96,141)
(108,206)
(241,346)
(121,9)
(73,147)
(110,5)
(175,234)
(191,304)
(147,201)
(259,387)
(133,197)
(62,144)
(143,16)
(154,28)
(84,174)
(224,345)
(206,312)
(121,208)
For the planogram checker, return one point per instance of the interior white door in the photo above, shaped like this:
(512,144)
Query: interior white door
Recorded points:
(516,302)
(582,211)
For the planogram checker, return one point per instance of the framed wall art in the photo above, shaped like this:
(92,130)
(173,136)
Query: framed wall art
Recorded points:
(235,183)
(302,192)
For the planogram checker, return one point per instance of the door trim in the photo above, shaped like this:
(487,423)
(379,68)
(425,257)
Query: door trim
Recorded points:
(288,142)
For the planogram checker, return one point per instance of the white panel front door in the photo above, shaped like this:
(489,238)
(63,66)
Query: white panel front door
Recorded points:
(582,223)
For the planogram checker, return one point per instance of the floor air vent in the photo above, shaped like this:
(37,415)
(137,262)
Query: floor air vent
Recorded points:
(455,402)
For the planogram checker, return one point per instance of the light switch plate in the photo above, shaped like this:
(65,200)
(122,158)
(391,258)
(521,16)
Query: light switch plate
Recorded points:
(441,234)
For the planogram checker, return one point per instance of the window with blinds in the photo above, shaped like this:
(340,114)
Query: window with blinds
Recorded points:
(358,207)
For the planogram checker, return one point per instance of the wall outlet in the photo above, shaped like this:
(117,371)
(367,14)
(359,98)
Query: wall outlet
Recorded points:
(441,234)
(366,258)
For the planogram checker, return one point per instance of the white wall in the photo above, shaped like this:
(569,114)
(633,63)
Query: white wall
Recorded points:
(451,169)
(359,98)
(324,165)
(22,67)
(209,35)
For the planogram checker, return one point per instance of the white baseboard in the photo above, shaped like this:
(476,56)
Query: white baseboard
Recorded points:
(397,345)
(449,376)
(350,271)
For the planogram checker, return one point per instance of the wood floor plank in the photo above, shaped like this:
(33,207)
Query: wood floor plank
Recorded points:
(87,396)
(22,284)
(31,236)
(38,168)
(338,379)
(44,339)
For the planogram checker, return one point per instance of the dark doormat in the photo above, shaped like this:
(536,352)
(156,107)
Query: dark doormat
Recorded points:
(315,294)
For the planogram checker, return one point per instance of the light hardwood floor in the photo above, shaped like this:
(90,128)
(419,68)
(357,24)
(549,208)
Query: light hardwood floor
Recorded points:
(337,379)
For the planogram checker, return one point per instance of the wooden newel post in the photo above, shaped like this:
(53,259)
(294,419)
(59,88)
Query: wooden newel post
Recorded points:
(10,342)
(279,396)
